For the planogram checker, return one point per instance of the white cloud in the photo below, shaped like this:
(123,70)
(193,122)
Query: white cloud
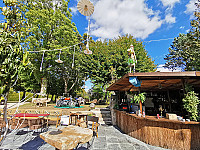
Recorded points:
(170,19)
(190,7)
(169,3)
(182,27)
(161,68)
(74,10)
(112,18)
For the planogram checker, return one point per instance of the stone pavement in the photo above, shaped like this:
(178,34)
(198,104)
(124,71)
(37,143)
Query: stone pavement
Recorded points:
(110,138)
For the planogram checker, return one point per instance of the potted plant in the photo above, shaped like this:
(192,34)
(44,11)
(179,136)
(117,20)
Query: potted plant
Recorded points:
(140,98)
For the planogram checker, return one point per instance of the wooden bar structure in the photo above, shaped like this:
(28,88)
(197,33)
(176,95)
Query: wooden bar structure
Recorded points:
(158,132)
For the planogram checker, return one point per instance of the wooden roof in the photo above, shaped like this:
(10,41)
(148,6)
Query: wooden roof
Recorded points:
(153,81)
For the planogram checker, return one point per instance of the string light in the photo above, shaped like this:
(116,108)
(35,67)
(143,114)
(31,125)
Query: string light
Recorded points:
(55,49)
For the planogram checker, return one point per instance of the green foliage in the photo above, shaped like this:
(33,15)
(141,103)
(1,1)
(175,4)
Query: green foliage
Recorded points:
(14,97)
(97,91)
(13,60)
(140,97)
(50,27)
(185,50)
(191,102)
(109,59)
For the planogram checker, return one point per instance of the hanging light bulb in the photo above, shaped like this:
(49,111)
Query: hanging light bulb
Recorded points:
(58,60)
(87,51)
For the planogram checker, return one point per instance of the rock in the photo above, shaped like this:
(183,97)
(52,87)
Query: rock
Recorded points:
(70,137)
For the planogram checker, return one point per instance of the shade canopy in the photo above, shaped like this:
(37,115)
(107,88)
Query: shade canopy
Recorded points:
(85,7)
(157,81)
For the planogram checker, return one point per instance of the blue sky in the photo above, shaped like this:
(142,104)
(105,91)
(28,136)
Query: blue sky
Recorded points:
(146,20)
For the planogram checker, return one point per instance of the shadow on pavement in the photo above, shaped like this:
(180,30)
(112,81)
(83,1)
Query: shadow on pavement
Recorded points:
(35,143)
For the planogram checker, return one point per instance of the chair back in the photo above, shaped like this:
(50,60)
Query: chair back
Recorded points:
(95,124)
(93,119)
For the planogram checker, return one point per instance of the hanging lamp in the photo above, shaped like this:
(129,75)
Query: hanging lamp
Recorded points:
(58,60)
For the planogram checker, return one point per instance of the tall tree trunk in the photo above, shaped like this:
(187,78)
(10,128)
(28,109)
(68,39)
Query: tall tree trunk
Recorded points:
(52,97)
(5,117)
(66,83)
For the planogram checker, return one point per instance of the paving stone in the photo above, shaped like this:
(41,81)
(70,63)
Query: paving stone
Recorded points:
(123,140)
(112,140)
(127,146)
(100,145)
(113,147)
(100,139)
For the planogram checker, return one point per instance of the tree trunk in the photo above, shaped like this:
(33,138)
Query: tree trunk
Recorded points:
(52,97)
(141,107)
(5,117)
(66,83)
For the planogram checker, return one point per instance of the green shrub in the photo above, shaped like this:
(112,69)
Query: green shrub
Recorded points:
(191,102)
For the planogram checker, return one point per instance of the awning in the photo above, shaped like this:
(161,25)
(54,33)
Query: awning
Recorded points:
(154,81)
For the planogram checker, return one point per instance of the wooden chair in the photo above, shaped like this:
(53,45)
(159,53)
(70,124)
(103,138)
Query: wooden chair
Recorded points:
(82,120)
(54,116)
(95,123)
(73,118)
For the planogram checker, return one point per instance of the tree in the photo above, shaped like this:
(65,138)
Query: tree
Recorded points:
(185,50)
(49,28)
(109,59)
(13,60)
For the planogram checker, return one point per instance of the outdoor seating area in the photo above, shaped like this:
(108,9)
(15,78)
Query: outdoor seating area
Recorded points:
(76,124)
(39,102)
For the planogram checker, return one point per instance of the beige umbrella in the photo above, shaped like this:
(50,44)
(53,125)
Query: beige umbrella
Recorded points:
(85,7)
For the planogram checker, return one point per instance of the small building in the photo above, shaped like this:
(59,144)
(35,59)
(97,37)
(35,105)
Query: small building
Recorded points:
(163,89)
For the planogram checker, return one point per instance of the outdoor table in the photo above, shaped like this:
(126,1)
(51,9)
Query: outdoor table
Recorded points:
(30,115)
(34,121)
(67,137)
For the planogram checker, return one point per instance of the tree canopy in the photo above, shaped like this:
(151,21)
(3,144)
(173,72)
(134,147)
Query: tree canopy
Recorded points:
(109,59)
(185,50)
(49,27)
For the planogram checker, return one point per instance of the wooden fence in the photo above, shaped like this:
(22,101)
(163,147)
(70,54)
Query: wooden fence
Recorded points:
(160,132)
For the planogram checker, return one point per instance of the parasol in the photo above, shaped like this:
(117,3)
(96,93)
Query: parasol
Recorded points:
(85,7)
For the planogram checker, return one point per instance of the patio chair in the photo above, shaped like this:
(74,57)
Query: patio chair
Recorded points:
(73,117)
(82,120)
(95,124)
(54,116)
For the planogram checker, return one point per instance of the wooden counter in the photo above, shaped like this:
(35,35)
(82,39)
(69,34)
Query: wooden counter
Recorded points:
(160,132)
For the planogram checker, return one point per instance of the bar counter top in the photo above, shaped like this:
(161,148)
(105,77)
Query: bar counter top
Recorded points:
(154,118)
